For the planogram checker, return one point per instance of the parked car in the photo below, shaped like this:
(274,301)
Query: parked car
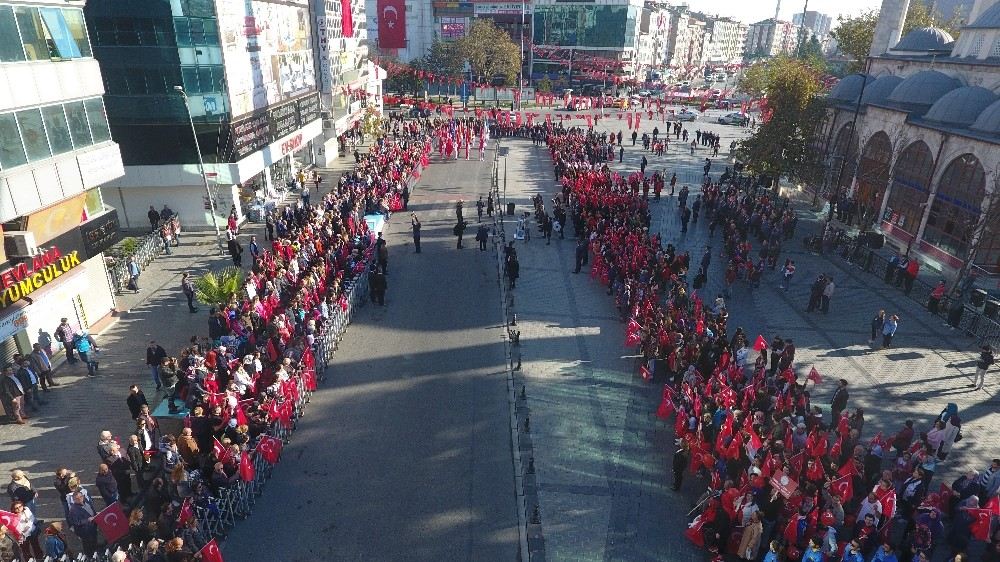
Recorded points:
(732,118)
(686,115)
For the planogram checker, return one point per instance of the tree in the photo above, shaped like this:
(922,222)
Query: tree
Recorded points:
(812,54)
(782,145)
(490,52)
(218,288)
(443,58)
(371,123)
(406,82)
(854,34)
(545,85)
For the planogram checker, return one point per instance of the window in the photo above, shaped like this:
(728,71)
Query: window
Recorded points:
(205,80)
(10,41)
(78,29)
(98,120)
(57,129)
(183,30)
(79,129)
(32,33)
(33,134)
(910,180)
(11,149)
(190,77)
(125,32)
(587,26)
(873,175)
(957,206)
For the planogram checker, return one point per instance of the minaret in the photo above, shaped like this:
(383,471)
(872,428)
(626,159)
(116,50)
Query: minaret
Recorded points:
(889,28)
(777,10)
(978,8)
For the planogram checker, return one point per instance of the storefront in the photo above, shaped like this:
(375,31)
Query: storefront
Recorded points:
(68,279)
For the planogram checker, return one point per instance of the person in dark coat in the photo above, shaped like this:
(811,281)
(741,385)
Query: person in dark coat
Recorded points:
(482,235)
(681,458)
(235,250)
(378,287)
(415,223)
(839,401)
(581,254)
(459,229)
(136,399)
(81,520)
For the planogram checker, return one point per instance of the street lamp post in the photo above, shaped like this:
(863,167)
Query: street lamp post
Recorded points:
(201,168)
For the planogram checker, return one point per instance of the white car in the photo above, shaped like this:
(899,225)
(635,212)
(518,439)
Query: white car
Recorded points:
(686,115)
(732,119)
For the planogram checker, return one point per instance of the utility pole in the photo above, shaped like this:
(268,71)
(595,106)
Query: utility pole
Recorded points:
(520,75)
(802,30)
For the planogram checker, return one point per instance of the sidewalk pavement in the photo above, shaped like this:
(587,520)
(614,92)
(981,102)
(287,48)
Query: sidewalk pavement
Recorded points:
(65,432)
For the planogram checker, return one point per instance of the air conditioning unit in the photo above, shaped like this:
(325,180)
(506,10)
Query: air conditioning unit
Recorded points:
(20,243)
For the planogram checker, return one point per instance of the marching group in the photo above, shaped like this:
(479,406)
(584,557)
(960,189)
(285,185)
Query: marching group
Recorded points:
(786,480)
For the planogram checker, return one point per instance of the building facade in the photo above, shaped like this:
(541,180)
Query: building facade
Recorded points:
(348,82)
(418,24)
(686,42)
(56,150)
(769,38)
(578,30)
(248,74)
(817,23)
(654,34)
(725,40)
(923,158)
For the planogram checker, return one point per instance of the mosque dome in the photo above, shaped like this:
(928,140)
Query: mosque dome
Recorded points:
(849,88)
(925,39)
(961,107)
(879,90)
(921,90)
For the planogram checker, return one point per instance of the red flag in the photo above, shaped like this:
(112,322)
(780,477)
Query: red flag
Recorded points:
(10,520)
(814,376)
(644,372)
(848,469)
(628,120)
(220,450)
(796,462)
(980,527)
(843,487)
(346,19)
(760,343)
(241,416)
(112,522)
(309,379)
(888,500)
(638,117)
(269,448)
(632,339)
(210,552)
(391,24)
(666,408)
(754,444)
(247,471)
(185,514)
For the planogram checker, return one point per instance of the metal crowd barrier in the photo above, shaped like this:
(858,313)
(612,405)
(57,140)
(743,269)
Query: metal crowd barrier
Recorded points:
(973,322)
(150,246)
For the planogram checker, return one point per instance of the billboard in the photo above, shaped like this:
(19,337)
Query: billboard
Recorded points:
(268,52)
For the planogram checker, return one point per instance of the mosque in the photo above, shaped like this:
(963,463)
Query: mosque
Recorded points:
(915,139)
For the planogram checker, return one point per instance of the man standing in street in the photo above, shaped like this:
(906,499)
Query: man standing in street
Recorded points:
(187,287)
(235,249)
(254,250)
(133,274)
(378,288)
(839,401)
(479,208)
(415,223)
(581,254)
(382,254)
(459,229)
(482,235)
(81,520)
(41,364)
(986,359)
(827,294)
(155,354)
(29,380)
(136,399)
(64,335)
(13,393)
(154,218)
(681,458)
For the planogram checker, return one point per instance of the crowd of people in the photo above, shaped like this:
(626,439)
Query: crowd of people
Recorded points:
(235,389)
(785,480)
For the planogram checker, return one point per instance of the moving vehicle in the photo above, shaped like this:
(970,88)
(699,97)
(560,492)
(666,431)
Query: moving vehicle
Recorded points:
(732,118)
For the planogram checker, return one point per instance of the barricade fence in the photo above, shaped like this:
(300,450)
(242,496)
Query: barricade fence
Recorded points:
(954,310)
(149,248)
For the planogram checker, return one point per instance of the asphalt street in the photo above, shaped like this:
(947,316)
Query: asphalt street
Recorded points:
(404,453)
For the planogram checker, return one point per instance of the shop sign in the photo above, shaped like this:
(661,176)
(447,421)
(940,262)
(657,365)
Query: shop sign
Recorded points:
(13,323)
(255,132)
(101,233)
(291,145)
(30,275)
(489,9)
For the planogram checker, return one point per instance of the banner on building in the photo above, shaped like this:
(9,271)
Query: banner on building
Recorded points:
(346,19)
(391,24)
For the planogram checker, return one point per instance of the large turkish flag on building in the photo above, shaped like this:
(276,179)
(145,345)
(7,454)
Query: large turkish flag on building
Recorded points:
(391,24)
(346,19)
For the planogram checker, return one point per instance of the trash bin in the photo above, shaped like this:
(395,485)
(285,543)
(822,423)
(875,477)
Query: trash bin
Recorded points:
(991,309)
(510,209)
(977,298)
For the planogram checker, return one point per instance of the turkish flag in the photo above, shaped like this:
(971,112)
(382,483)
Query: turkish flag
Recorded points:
(10,520)
(814,376)
(346,19)
(309,379)
(247,471)
(210,552)
(241,416)
(186,513)
(843,487)
(220,450)
(269,448)
(760,343)
(980,526)
(391,24)
(112,522)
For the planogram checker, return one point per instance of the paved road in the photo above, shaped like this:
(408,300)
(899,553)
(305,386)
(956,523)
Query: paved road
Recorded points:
(404,453)
(603,459)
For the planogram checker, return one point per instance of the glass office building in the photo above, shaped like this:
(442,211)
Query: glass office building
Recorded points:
(586,25)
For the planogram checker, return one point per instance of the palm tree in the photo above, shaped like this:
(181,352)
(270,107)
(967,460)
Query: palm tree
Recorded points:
(217,288)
